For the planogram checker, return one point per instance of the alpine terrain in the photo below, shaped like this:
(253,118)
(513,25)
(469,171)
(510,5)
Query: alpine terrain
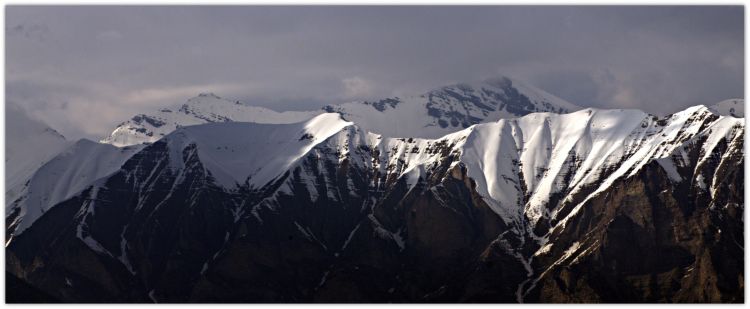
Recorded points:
(487,192)
(431,115)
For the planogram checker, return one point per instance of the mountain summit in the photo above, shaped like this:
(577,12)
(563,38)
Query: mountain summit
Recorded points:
(430,115)
(731,107)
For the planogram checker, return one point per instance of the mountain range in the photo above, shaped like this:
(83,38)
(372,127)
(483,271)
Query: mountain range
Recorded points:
(488,192)
(430,115)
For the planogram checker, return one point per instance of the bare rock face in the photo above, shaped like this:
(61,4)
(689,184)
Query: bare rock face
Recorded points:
(650,240)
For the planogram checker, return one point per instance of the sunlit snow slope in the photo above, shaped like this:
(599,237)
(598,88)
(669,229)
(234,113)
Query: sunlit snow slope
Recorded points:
(541,161)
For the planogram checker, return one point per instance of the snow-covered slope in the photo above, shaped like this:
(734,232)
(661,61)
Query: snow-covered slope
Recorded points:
(74,169)
(731,107)
(236,153)
(205,108)
(531,167)
(431,115)
(540,161)
(528,167)
(28,145)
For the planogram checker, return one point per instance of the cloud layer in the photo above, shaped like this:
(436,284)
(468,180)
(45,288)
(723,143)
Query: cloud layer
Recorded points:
(84,69)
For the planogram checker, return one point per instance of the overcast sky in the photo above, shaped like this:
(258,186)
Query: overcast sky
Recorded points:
(83,70)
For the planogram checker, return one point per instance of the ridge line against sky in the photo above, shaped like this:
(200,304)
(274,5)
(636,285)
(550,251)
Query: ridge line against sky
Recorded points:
(83,70)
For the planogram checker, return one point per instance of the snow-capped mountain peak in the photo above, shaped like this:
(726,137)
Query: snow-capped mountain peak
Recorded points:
(451,108)
(513,96)
(731,107)
(238,151)
(204,108)
(430,115)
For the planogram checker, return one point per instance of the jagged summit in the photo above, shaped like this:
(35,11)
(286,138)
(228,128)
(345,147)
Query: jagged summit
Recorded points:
(519,98)
(430,115)
(451,108)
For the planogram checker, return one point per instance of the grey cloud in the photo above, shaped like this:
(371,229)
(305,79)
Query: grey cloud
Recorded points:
(115,61)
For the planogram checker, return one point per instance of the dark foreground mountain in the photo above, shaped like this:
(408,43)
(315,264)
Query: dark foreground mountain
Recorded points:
(592,206)
(19,292)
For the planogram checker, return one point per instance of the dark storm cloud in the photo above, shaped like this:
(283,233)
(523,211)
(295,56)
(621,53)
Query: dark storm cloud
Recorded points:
(84,69)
